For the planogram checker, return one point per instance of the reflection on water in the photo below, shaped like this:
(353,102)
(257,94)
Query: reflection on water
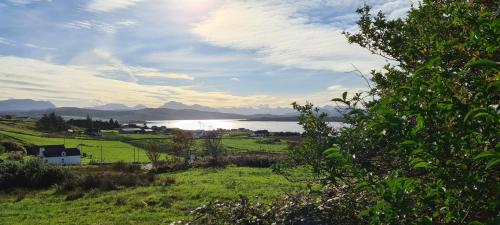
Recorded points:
(272,126)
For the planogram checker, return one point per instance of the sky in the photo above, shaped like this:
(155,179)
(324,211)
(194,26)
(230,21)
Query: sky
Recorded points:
(219,53)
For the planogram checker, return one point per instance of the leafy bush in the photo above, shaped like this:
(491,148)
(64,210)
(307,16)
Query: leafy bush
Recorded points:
(261,160)
(213,146)
(106,181)
(12,147)
(32,173)
(2,149)
(422,144)
(51,123)
(336,205)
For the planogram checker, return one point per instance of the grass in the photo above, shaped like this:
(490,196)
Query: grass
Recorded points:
(250,144)
(146,205)
(121,147)
(112,151)
(19,126)
(113,134)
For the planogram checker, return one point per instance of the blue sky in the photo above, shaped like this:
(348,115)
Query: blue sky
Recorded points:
(218,53)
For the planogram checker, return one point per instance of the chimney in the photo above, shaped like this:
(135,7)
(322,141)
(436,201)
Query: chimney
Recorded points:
(40,151)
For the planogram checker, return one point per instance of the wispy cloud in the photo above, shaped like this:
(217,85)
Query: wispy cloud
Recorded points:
(29,45)
(5,41)
(99,26)
(281,37)
(292,32)
(54,82)
(25,2)
(110,5)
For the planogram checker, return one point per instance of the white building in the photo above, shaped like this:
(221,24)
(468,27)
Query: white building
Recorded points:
(58,154)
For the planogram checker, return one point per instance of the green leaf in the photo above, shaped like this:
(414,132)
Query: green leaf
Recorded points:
(483,62)
(420,122)
(445,106)
(344,95)
(484,114)
(331,150)
(337,100)
(473,112)
(492,163)
(484,155)
(422,165)
(409,142)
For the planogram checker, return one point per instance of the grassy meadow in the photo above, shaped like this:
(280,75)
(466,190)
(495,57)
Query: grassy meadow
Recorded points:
(156,204)
(118,147)
(112,151)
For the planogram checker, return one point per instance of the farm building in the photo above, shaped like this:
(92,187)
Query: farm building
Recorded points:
(260,133)
(59,154)
(93,132)
(131,131)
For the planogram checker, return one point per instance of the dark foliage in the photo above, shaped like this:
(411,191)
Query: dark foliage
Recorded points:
(336,205)
(51,123)
(106,181)
(12,147)
(422,144)
(32,174)
(183,142)
(95,124)
(261,160)
(213,146)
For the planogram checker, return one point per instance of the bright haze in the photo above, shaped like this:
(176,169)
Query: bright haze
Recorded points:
(214,53)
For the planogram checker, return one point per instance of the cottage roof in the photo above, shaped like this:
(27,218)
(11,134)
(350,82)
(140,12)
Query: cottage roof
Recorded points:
(61,152)
(131,129)
(49,147)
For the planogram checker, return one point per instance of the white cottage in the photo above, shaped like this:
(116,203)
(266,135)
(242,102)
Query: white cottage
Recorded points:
(59,154)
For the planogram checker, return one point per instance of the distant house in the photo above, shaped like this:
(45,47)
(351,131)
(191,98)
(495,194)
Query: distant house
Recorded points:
(148,131)
(59,154)
(199,133)
(131,131)
(92,132)
(260,133)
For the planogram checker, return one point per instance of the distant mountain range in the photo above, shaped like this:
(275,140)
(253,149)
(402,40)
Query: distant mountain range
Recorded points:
(117,107)
(168,111)
(132,115)
(24,105)
(263,110)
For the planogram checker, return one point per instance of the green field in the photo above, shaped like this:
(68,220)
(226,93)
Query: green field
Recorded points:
(19,126)
(156,204)
(112,151)
(121,147)
(250,144)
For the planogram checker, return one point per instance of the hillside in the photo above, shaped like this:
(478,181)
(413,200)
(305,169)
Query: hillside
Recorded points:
(24,105)
(141,114)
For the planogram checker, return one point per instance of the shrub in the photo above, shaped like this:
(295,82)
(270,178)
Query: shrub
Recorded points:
(51,123)
(213,146)
(153,152)
(168,181)
(336,205)
(32,173)
(74,196)
(106,181)
(126,167)
(261,160)
(2,149)
(13,147)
